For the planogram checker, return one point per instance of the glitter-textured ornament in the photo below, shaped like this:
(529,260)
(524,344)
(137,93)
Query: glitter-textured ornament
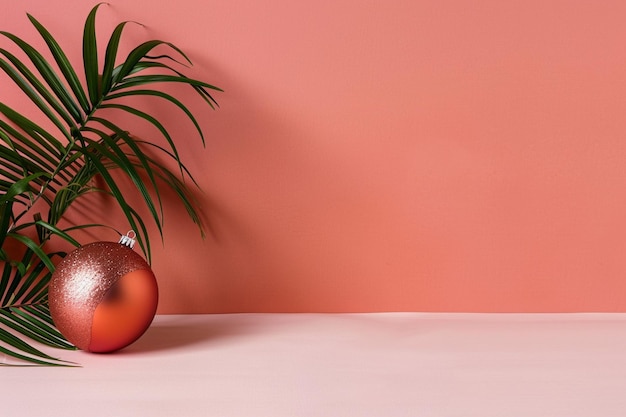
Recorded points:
(103,296)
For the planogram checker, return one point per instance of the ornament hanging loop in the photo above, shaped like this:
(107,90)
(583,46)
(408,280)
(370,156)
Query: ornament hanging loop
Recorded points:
(128,239)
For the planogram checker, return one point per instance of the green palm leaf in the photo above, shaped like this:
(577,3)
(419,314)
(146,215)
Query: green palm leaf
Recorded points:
(116,155)
(110,56)
(140,52)
(30,354)
(161,94)
(61,59)
(150,119)
(29,84)
(49,76)
(90,55)
(23,288)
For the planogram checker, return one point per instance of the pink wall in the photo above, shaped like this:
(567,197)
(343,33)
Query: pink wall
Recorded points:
(401,155)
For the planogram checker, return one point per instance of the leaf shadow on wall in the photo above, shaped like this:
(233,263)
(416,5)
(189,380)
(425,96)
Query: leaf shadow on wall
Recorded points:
(262,181)
(254,179)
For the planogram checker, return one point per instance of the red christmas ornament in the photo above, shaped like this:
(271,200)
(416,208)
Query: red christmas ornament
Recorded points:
(103,296)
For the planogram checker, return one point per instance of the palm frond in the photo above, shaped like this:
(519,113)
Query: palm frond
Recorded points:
(23,292)
(161,94)
(52,168)
(90,56)
(34,89)
(49,76)
(64,64)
